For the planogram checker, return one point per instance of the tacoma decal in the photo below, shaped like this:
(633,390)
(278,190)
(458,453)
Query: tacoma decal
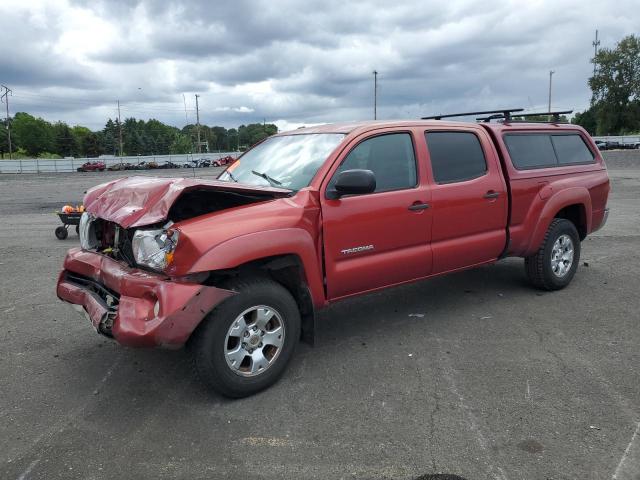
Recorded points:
(362,248)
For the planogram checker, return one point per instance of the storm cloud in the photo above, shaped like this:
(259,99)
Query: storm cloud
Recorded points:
(295,62)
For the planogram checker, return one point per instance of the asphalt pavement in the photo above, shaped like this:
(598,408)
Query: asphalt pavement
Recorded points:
(474,374)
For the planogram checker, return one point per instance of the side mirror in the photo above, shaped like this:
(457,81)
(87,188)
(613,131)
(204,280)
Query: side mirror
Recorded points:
(353,182)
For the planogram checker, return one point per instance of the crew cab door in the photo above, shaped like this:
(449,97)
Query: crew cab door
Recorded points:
(381,238)
(469,198)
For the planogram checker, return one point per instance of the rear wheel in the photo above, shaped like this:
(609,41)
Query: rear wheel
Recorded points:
(61,233)
(244,345)
(556,261)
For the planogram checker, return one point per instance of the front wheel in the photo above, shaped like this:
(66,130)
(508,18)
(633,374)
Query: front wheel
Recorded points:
(244,345)
(555,263)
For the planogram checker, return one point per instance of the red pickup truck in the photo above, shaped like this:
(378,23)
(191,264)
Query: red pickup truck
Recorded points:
(236,268)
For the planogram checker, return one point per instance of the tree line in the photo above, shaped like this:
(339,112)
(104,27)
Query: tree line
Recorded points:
(35,137)
(615,87)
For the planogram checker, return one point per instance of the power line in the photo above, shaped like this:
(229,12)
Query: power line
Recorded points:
(95,103)
(5,96)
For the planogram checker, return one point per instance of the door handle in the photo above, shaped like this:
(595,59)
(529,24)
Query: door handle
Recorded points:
(418,206)
(491,194)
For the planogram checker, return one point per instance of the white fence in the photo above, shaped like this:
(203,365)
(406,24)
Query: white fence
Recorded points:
(62,165)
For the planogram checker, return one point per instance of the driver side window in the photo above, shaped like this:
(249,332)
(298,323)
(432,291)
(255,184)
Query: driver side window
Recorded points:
(390,157)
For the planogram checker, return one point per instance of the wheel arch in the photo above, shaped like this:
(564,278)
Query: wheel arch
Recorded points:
(573,204)
(286,269)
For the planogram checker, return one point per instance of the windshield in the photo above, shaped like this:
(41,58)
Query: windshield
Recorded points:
(288,161)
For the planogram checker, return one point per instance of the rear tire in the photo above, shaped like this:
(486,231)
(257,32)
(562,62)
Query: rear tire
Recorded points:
(219,341)
(61,233)
(556,261)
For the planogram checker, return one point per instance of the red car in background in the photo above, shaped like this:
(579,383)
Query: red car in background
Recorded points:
(92,167)
(223,161)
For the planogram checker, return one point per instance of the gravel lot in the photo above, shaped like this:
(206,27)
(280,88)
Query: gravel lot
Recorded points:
(473,374)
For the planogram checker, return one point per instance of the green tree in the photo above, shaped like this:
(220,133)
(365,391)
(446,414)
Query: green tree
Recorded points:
(64,142)
(616,87)
(586,120)
(4,139)
(180,144)
(35,135)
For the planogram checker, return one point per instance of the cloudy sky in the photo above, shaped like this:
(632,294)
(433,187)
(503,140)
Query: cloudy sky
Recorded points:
(293,62)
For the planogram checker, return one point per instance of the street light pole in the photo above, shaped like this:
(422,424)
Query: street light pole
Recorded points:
(375,94)
(551,72)
(120,132)
(198,123)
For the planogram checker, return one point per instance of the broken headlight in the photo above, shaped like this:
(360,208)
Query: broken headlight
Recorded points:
(87,231)
(154,248)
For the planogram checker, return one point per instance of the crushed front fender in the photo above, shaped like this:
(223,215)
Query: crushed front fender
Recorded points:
(137,308)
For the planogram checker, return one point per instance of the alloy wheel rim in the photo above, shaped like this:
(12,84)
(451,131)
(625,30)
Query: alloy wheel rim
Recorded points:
(254,341)
(562,255)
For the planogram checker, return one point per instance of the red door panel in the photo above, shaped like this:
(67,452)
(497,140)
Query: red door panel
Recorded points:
(374,240)
(382,238)
(469,216)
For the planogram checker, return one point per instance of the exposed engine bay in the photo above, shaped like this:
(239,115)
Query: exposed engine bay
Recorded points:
(194,203)
(111,239)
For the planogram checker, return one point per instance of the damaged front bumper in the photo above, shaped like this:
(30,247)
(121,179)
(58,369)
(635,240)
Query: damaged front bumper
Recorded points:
(135,307)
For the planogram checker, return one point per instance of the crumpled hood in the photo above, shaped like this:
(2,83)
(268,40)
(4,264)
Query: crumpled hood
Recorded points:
(138,201)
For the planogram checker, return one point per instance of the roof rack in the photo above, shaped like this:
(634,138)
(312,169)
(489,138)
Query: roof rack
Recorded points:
(555,117)
(501,113)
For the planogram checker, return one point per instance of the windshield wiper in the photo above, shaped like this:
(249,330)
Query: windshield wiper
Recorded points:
(272,181)
(231,176)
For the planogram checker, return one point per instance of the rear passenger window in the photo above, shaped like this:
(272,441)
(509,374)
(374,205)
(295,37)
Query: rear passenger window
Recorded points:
(571,149)
(530,151)
(455,156)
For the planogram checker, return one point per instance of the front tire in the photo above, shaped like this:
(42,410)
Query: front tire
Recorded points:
(556,261)
(244,345)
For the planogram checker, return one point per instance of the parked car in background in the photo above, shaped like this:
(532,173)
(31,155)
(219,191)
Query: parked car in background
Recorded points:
(168,165)
(198,163)
(119,166)
(219,162)
(145,166)
(92,167)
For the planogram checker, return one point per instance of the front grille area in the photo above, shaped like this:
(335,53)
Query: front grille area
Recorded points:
(106,233)
(109,298)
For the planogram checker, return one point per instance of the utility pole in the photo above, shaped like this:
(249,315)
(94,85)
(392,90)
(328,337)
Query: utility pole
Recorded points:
(198,122)
(120,132)
(596,44)
(551,72)
(375,94)
(5,96)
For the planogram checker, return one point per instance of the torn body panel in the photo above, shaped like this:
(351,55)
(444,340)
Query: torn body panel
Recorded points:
(137,308)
